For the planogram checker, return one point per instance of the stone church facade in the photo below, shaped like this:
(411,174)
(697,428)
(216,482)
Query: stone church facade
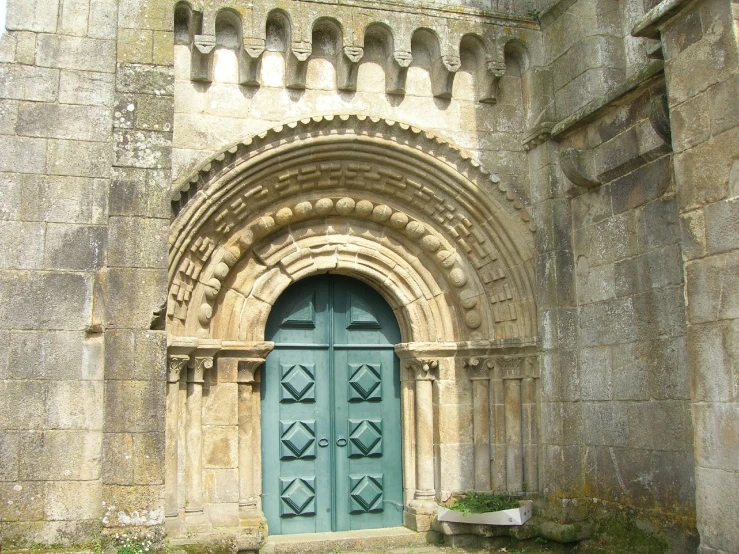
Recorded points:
(544,195)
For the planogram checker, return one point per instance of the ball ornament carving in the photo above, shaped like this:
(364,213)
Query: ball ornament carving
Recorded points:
(458,277)
(364,208)
(283,216)
(345,206)
(473,319)
(430,243)
(221,271)
(303,209)
(415,229)
(381,213)
(324,206)
(205,314)
(399,220)
(264,225)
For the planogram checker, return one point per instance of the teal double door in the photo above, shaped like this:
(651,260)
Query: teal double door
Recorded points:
(331,432)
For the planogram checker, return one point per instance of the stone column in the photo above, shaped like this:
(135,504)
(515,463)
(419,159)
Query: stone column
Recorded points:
(423,505)
(479,374)
(499,435)
(249,439)
(194,511)
(177,363)
(530,425)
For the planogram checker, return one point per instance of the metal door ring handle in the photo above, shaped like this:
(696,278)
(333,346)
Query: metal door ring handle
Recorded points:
(323,442)
(341,441)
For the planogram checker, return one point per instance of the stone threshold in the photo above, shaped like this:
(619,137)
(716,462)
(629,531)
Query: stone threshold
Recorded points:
(350,541)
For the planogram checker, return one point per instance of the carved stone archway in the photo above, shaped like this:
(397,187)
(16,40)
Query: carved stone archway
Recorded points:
(441,238)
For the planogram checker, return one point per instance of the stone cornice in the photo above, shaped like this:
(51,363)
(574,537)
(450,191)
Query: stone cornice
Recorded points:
(651,22)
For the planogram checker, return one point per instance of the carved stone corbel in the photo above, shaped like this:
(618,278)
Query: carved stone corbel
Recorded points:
(579,167)
(396,71)
(659,117)
(488,79)
(443,71)
(201,58)
(296,65)
(347,67)
(250,60)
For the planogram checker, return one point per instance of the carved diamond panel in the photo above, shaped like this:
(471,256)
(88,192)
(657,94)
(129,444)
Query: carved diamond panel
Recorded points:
(298,497)
(297,383)
(365,438)
(297,440)
(366,493)
(365,383)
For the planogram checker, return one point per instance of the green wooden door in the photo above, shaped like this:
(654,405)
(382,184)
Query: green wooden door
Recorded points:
(331,437)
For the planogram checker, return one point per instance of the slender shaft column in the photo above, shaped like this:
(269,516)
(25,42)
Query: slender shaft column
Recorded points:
(514,451)
(530,435)
(480,377)
(249,451)
(421,509)
(177,363)
(408,404)
(499,432)
(194,454)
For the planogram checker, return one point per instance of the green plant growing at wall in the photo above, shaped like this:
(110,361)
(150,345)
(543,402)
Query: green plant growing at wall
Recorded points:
(482,502)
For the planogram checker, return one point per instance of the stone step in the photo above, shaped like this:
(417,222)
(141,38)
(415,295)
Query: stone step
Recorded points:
(381,540)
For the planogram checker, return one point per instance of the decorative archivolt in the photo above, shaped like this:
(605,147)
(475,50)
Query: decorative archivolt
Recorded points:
(440,237)
(346,37)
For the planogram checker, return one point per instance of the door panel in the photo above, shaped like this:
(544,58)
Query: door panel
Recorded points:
(331,437)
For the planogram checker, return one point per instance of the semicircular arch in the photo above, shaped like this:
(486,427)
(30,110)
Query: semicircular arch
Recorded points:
(442,239)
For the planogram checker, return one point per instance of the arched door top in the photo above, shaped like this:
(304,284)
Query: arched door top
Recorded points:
(442,240)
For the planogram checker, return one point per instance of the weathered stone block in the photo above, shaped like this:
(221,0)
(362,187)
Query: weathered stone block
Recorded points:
(596,374)
(712,288)
(136,16)
(87,88)
(103,19)
(148,458)
(75,405)
(630,373)
(703,172)
(133,296)
(22,501)
(145,79)
(118,459)
(145,149)
(716,501)
(607,423)
(154,112)
(642,185)
(660,425)
(722,225)
(88,123)
(595,284)
(658,224)
(711,366)
(220,404)
(134,406)
(52,355)
(8,116)
(22,155)
(609,240)
(140,192)
(73,500)
(35,15)
(693,234)
(455,422)
(660,313)
(21,245)
(659,268)
(220,447)
(67,52)
(221,485)
(554,223)
(133,505)
(74,17)
(32,304)
(163,52)
(67,455)
(456,466)
(718,434)
(666,362)
(134,46)
(138,242)
(689,123)
(685,32)
(82,159)
(609,322)
(75,247)
(10,447)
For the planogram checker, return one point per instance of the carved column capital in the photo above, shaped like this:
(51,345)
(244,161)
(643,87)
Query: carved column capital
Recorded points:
(175,365)
(248,367)
(423,369)
(478,367)
(197,368)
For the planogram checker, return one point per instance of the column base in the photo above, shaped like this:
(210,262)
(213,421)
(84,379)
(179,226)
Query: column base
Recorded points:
(420,512)
(196,521)
(253,531)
